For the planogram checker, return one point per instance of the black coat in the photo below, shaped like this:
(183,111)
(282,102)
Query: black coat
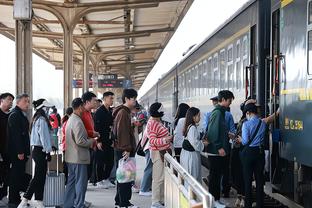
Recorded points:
(18,132)
(103,120)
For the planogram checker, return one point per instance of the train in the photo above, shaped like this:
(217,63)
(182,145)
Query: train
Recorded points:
(262,51)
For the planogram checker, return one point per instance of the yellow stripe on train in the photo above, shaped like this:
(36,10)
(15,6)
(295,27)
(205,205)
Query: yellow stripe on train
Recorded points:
(303,93)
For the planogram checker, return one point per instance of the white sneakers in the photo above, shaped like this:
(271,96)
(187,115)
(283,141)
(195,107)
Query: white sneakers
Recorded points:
(39,204)
(157,205)
(135,189)
(218,204)
(130,206)
(149,193)
(23,204)
(105,184)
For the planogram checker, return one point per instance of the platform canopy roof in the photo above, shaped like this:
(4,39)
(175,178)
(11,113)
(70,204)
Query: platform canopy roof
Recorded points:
(124,37)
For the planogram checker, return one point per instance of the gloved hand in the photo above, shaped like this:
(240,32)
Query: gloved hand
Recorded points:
(48,157)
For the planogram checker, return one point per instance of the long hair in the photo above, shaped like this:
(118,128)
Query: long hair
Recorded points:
(69,111)
(40,112)
(189,119)
(181,112)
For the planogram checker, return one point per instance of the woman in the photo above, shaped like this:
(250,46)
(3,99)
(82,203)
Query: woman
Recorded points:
(252,154)
(178,129)
(41,142)
(192,145)
(69,111)
(159,141)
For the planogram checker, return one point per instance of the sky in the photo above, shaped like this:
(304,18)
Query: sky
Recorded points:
(202,19)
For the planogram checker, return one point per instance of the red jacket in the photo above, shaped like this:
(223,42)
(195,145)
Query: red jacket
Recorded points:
(88,123)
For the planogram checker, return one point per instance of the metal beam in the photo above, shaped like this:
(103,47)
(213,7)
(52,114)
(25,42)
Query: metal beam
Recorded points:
(97,22)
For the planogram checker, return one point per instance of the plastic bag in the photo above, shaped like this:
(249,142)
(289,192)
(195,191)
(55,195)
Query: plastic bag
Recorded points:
(126,170)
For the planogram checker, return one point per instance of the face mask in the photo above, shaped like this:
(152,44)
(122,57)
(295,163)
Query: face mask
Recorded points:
(248,117)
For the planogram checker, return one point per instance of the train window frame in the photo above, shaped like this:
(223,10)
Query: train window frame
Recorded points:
(230,64)
(215,72)
(245,40)
(205,77)
(309,12)
(237,69)
(211,73)
(222,66)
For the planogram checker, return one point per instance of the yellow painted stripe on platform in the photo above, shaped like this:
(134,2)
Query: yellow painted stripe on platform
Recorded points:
(285,2)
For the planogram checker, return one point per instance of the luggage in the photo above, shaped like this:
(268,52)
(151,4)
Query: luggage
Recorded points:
(54,188)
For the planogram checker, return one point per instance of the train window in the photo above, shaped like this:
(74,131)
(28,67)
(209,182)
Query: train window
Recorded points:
(195,81)
(199,75)
(204,75)
(245,46)
(310,52)
(230,68)
(238,66)
(209,74)
(223,78)
(310,13)
(216,73)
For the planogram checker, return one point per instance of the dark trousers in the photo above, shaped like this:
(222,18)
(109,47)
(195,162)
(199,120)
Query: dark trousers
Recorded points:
(253,164)
(217,165)
(92,167)
(17,179)
(124,192)
(177,153)
(104,162)
(226,187)
(65,168)
(36,184)
(237,172)
(4,175)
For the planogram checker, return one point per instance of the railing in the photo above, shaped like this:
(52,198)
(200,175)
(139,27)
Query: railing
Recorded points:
(181,189)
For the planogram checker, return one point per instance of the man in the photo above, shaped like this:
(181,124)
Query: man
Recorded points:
(103,121)
(218,142)
(6,102)
(77,157)
(18,147)
(124,142)
(226,187)
(89,102)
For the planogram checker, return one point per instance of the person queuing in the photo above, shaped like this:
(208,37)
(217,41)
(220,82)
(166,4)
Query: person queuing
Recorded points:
(68,113)
(231,130)
(252,154)
(160,143)
(41,143)
(103,121)
(89,102)
(18,147)
(218,147)
(124,143)
(192,144)
(179,121)
(77,157)
(6,102)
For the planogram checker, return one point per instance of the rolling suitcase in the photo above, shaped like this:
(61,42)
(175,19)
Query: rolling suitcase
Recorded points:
(54,188)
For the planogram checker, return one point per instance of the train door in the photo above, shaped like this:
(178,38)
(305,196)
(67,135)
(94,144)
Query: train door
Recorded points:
(250,73)
(273,95)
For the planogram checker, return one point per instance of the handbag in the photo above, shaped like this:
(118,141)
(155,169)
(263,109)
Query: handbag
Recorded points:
(186,145)
(139,149)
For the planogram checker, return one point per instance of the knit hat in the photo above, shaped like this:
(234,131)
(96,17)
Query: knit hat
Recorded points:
(40,103)
(155,110)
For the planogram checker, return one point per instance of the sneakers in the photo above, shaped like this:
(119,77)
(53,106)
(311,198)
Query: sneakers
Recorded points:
(157,205)
(135,189)
(105,184)
(5,200)
(237,202)
(87,204)
(39,204)
(219,204)
(242,204)
(148,193)
(23,204)
(130,206)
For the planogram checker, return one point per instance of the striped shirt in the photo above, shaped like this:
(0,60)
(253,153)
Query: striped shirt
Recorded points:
(156,132)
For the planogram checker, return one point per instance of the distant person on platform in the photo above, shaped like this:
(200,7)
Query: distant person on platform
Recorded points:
(6,102)
(103,122)
(77,157)
(18,148)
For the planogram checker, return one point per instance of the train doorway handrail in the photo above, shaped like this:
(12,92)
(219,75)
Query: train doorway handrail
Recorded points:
(181,189)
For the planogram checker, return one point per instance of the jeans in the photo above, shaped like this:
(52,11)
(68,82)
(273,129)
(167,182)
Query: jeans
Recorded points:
(36,184)
(146,183)
(76,187)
